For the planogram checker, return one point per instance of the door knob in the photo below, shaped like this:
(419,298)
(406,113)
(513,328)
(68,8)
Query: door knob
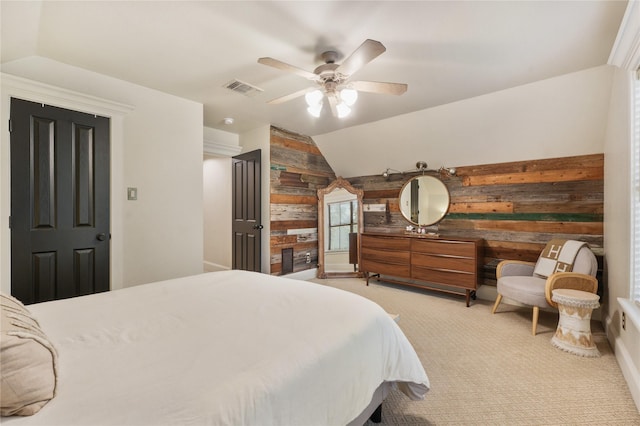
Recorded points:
(101,236)
(258,226)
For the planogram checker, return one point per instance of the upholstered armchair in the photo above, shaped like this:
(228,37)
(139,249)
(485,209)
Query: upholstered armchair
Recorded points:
(518,282)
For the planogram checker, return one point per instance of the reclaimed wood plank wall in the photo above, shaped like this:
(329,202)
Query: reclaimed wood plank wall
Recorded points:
(298,169)
(515,207)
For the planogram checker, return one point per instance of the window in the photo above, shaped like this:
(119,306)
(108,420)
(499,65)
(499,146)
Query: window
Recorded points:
(343,219)
(635,185)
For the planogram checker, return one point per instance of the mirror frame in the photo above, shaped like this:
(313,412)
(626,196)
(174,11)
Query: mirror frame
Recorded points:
(407,183)
(359,193)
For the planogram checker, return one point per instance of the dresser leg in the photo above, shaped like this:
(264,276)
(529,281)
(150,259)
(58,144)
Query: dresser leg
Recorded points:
(368,276)
(471,294)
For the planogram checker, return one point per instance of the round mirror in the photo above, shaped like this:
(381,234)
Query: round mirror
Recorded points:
(424,200)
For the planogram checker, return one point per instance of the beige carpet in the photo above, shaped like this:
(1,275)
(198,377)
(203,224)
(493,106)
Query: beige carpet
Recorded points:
(489,370)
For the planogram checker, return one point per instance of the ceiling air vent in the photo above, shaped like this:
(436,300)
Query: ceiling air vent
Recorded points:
(243,88)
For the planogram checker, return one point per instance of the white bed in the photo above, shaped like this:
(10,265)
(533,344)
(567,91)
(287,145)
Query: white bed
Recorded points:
(222,348)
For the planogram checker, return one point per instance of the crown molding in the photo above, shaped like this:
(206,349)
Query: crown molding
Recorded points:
(37,91)
(626,49)
(220,149)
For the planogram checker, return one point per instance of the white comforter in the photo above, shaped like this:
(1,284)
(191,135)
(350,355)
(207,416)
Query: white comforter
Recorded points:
(223,348)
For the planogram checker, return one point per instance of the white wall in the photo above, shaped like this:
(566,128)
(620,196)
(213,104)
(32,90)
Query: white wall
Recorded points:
(217,213)
(158,149)
(562,116)
(163,235)
(219,147)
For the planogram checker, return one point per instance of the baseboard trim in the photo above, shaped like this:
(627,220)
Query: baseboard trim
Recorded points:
(305,275)
(213,267)
(625,362)
(487,292)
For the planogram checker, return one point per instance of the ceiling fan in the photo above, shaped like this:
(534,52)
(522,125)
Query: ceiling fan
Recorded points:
(333,80)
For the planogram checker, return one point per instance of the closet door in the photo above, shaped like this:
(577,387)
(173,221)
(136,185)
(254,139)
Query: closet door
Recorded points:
(59,202)
(246,211)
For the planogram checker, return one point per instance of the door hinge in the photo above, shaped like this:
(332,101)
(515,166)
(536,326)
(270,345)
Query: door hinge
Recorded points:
(9,222)
(10,126)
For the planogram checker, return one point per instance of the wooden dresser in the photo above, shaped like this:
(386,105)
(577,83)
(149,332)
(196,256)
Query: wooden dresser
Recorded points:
(454,264)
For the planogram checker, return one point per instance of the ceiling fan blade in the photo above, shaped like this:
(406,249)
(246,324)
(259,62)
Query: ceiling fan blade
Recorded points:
(293,95)
(368,51)
(379,87)
(286,67)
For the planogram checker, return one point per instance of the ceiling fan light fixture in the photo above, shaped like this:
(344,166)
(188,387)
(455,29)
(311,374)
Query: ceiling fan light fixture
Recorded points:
(314,98)
(331,76)
(314,110)
(343,110)
(349,96)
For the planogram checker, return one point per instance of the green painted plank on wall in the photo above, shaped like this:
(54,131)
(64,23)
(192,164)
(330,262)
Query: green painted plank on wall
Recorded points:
(545,217)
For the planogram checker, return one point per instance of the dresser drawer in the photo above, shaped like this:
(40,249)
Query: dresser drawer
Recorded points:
(388,262)
(444,247)
(444,276)
(439,261)
(385,243)
(395,269)
(386,256)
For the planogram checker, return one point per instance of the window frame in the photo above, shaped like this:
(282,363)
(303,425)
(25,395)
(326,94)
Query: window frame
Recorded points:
(353,222)
(630,304)
(634,287)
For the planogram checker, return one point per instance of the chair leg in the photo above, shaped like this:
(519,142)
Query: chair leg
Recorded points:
(536,314)
(495,305)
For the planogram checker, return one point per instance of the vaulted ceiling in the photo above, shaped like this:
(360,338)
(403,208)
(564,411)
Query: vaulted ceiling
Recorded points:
(444,50)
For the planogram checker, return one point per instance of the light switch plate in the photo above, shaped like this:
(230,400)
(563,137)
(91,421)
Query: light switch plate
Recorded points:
(132,193)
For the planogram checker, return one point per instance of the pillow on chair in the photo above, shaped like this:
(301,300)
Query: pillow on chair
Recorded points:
(558,256)
(28,359)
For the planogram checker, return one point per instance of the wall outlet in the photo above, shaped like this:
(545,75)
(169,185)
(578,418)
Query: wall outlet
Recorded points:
(308,257)
(624,321)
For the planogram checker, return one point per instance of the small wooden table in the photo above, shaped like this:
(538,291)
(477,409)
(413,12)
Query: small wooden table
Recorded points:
(574,326)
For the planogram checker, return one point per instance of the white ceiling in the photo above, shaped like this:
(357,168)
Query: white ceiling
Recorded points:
(444,50)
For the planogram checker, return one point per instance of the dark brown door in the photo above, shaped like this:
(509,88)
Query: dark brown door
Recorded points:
(59,202)
(246,211)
